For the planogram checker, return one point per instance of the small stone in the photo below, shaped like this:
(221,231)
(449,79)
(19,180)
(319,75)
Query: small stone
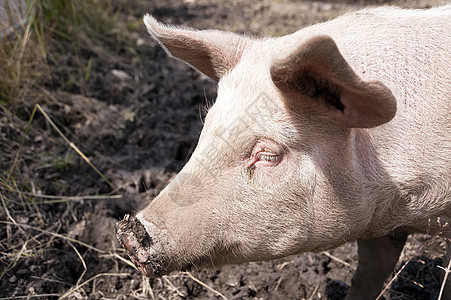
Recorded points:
(121,75)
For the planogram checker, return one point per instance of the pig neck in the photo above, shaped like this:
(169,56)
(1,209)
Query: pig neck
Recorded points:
(396,182)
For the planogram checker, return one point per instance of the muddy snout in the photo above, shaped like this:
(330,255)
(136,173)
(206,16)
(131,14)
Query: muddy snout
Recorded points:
(144,250)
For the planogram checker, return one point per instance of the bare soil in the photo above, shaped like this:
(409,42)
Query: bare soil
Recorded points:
(138,120)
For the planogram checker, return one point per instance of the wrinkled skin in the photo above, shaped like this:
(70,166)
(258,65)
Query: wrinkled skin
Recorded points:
(314,140)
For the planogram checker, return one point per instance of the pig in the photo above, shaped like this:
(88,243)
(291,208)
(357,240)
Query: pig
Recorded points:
(338,132)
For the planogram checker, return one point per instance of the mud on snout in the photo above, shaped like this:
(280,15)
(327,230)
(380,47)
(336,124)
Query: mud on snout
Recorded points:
(142,249)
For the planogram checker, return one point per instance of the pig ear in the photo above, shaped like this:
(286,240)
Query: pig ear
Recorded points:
(212,52)
(319,74)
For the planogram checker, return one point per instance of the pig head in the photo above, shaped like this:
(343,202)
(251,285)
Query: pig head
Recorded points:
(337,132)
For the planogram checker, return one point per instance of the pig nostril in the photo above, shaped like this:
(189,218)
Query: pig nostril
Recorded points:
(133,225)
(147,242)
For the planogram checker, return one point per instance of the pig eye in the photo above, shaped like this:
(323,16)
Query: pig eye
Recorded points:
(266,159)
(269,157)
(266,153)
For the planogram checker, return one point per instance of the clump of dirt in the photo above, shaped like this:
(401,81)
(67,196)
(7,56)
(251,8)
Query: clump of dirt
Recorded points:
(138,119)
(131,225)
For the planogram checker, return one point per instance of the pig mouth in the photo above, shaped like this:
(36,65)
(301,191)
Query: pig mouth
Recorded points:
(140,247)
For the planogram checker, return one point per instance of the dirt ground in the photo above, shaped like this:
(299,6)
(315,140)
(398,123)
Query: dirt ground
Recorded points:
(138,119)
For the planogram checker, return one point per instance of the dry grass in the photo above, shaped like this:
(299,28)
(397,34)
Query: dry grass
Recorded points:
(53,28)
(22,56)
(29,55)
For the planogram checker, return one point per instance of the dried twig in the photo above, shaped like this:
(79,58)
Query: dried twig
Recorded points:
(445,278)
(85,268)
(392,280)
(73,146)
(55,235)
(128,262)
(312,296)
(41,296)
(147,288)
(73,289)
(205,285)
(13,263)
(338,260)
(173,287)
(58,199)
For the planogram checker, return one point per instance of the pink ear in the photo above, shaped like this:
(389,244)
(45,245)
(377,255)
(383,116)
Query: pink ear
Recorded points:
(317,73)
(212,52)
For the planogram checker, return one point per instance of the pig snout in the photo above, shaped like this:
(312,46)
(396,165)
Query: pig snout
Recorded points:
(143,245)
